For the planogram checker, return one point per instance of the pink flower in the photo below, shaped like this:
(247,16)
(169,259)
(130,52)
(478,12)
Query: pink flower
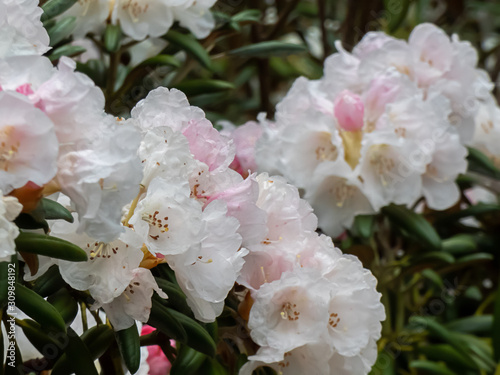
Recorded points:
(349,111)
(157,360)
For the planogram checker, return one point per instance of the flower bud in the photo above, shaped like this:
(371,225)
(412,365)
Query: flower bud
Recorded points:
(349,111)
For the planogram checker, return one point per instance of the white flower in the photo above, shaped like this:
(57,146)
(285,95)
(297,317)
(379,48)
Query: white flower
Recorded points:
(21,31)
(10,208)
(72,101)
(90,16)
(135,301)
(101,176)
(139,19)
(290,312)
(28,143)
(164,107)
(336,194)
(108,270)
(311,359)
(165,153)
(207,273)
(195,16)
(168,220)
(391,168)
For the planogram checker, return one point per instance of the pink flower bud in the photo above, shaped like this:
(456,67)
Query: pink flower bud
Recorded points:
(349,110)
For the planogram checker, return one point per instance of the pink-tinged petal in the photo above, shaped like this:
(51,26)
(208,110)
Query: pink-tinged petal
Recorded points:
(208,145)
(349,111)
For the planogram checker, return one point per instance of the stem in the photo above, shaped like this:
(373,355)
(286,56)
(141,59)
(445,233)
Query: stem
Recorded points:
(114,61)
(133,206)
(324,36)
(83,311)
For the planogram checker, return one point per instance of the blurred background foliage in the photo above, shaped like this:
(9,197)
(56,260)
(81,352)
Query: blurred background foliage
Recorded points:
(438,271)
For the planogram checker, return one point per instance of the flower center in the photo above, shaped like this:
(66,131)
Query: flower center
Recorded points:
(101,250)
(8,147)
(333,320)
(134,9)
(154,221)
(289,311)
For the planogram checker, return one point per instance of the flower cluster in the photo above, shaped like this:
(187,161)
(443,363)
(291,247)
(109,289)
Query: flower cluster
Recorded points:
(141,18)
(386,124)
(312,308)
(158,187)
(55,135)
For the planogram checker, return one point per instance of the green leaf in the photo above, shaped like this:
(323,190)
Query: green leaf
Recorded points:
(396,10)
(364,225)
(129,346)
(43,342)
(268,49)
(460,244)
(431,367)
(203,86)
(433,276)
(211,367)
(98,339)
(187,362)
(49,246)
(496,328)
(76,359)
(161,60)
(39,309)
(49,283)
(32,220)
(55,211)
(54,8)
(191,46)
(161,317)
(473,258)
(414,224)
(250,15)
(445,352)
(95,341)
(176,297)
(472,324)
(480,163)
(67,50)
(112,37)
(61,30)
(197,337)
(433,256)
(65,304)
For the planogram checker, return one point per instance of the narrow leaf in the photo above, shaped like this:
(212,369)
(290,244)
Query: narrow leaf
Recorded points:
(49,246)
(61,30)
(67,50)
(191,46)
(203,86)
(129,346)
(38,309)
(415,225)
(54,211)
(80,360)
(54,8)
(268,49)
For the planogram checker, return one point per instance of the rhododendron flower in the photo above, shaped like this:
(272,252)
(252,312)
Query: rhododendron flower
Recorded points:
(10,208)
(139,19)
(108,269)
(21,31)
(28,143)
(135,301)
(378,128)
